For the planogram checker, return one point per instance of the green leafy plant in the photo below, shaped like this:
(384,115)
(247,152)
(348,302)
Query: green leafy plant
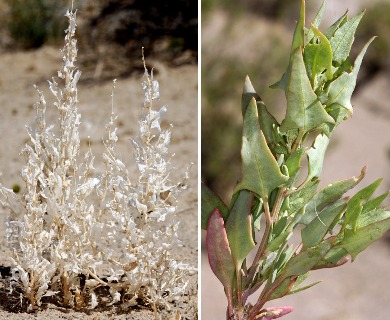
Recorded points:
(274,188)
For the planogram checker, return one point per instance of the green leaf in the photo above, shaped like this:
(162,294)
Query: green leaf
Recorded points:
(372,216)
(329,33)
(316,22)
(283,257)
(316,230)
(316,156)
(306,260)
(298,41)
(301,279)
(290,286)
(279,226)
(300,198)
(304,110)
(339,114)
(318,58)
(374,203)
(260,170)
(257,213)
(334,258)
(357,241)
(342,39)
(340,90)
(299,32)
(267,123)
(283,289)
(293,163)
(239,228)
(346,66)
(210,202)
(279,239)
(233,200)
(299,289)
(281,232)
(247,94)
(285,205)
(328,195)
(355,206)
(219,253)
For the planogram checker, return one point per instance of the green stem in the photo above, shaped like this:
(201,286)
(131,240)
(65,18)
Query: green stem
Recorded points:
(267,231)
(298,140)
(278,203)
(270,219)
(264,241)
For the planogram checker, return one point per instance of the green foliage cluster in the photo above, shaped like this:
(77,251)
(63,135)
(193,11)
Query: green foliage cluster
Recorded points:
(31,23)
(318,85)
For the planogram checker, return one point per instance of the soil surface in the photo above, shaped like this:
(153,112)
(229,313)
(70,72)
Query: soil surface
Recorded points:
(178,89)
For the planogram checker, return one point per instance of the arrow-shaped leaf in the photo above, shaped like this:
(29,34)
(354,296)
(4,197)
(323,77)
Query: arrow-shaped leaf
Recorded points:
(298,41)
(260,170)
(342,39)
(304,110)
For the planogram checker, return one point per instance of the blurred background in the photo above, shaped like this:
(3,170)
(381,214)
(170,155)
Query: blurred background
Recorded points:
(254,37)
(110,32)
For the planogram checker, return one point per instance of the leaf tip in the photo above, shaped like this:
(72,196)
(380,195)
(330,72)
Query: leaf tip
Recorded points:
(362,173)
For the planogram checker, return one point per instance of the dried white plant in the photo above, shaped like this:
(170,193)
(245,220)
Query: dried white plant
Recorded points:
(72,232)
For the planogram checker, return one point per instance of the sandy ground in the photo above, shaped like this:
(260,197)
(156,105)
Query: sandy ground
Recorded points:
(355,291)
(178,88)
